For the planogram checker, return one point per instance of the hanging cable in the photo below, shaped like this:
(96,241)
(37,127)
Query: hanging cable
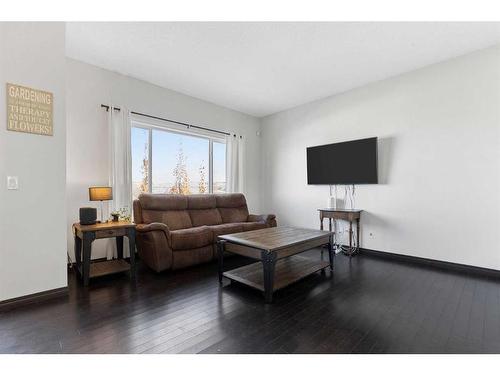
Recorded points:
(353,196)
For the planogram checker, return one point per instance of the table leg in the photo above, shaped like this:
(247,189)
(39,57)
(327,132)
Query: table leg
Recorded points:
(350,237)
(329,228)
(330,252)
(220,256)
(131,246)
(268,263)
(87,251)
(321,228)
(334,235)
(78,253)
(119,247)
(357,234)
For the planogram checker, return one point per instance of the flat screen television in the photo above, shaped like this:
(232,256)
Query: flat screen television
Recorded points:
(344,163)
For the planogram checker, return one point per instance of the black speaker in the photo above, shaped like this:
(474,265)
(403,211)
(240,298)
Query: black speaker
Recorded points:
(88,215)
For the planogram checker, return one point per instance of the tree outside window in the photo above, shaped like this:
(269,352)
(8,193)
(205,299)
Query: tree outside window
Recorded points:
(179,165)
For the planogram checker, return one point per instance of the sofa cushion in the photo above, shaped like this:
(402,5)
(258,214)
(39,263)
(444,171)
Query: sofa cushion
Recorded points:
(231,200)
(219,230)
(190,238)
(163,202)
(176,219)
(201,201)
(234,215)
(232,207)
(152,216)
(205,217)
(253,226)
(173,219)
(169,209)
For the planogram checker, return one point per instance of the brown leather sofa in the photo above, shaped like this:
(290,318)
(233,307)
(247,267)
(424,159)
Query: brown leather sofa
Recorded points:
(176,231)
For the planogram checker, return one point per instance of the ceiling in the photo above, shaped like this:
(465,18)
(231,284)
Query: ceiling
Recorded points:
(264,68)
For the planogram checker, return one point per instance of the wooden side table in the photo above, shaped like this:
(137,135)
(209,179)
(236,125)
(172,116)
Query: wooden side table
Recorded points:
(346,214)
(86,234)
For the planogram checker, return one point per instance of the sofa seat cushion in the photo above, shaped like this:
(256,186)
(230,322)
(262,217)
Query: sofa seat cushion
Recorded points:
(219,230)
(253,226)
(190,238)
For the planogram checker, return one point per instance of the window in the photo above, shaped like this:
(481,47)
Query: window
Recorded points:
(180,163)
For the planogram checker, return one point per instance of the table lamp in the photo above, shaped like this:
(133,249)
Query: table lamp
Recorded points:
(100,193)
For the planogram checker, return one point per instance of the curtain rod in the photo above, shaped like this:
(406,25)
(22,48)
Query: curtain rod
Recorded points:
(166,119)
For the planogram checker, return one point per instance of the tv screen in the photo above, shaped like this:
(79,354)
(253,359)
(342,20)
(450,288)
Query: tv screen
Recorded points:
(344,163)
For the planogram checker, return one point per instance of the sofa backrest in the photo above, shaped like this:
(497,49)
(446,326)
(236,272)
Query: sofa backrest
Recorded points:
(186,211)
(170,209)
(203,210)
(232,207)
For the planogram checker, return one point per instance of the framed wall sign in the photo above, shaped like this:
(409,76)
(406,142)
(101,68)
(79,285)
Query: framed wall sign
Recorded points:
(29,110)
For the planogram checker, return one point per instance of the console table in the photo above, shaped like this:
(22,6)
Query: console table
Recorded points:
(346,214)
(86,234)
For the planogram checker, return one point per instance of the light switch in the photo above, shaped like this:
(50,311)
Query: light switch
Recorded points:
(12,183)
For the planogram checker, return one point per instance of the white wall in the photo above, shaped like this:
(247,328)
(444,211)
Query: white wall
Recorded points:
(439,160)
(87,137)
(33,218)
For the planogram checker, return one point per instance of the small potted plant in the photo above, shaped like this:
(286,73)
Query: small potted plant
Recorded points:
(115,215)
(121,214)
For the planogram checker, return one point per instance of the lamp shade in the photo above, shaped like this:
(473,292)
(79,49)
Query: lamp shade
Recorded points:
(100,193)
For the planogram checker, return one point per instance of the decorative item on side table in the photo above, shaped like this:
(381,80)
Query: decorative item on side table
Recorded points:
(121,214)
(100,193)
(88,215)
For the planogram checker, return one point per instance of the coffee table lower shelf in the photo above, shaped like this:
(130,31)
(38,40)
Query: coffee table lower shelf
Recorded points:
(287,271)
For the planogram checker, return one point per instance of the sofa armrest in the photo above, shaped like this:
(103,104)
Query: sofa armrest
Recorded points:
(270,219)
(153,242)
(145,228)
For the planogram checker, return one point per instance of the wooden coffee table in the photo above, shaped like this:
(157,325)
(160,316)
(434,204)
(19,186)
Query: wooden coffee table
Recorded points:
(276,248)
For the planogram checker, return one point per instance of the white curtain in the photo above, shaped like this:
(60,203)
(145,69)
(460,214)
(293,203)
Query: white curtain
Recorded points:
(235,163)
(120,173)
(120,158)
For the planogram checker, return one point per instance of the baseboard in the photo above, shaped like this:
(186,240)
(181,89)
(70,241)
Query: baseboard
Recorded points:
(33,298)
(458,267)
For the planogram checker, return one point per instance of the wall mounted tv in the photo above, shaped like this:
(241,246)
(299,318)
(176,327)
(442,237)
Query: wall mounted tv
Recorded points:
(344,163)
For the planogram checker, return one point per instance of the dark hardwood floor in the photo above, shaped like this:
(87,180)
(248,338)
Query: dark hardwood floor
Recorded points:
(369,305)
